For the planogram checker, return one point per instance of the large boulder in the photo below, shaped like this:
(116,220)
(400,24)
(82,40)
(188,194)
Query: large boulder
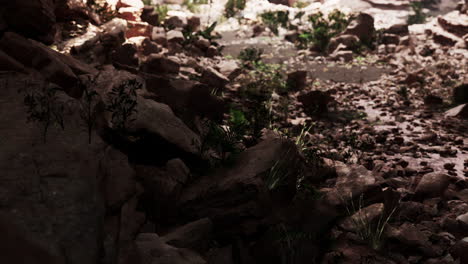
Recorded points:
(460,94)
(362,27)
(240,198)
(53,66)
(49,185)
(31,18)
(432,185)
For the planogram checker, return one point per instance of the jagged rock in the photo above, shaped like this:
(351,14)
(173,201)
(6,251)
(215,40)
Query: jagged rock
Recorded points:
(129,13)
(175,22)
(460,111)
(454,22)
(195,235)
(350,42)
(443,37)
(366,215)
(214,78)
(398,29)
(409,235)
(187,98)
(152,249)
(47,62)
(362,27)
(390,39)
(175,36)
(125,56)
(159,64)
(137,29)
(150,16)
(229,68)
(315,102)
(297,80)
(31,18)
(432,185)
(460,94)
(49,187)
(237,198)
(158,35)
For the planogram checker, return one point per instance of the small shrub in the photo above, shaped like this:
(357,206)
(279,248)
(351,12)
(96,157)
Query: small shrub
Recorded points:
(273,20)
(87,106)
(192,5)
(418,16)
(162,11)
(323,29)
(250,55)
(147,2)
(43,107)
(122,103)
(232,7)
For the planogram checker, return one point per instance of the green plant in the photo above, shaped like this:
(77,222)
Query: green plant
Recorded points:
(147,2)
(418,16)
(232,7)
(368,230)
(250,55)
(192,5)
(122,103)
(43,107)
(162,11)
(323,29)
(87,106)
(275,19)
(300,4)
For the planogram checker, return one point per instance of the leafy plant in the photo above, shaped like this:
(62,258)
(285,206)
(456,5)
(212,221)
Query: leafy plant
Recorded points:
(252,55)
(190,36)
(323,29)
(122,103)
(418,16)
(87,106)
(43,107)
(162,11)
(192,5)
(147,2)
(232,7)
(275,19)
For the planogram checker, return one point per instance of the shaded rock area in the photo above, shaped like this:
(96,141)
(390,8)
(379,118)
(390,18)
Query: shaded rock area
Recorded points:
(219,132)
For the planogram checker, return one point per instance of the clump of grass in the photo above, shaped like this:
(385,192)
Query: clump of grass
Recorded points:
(233,7)
(418,16)
(122,104)
(250,55)
(192,5)
(162,11)
(43,107)
(87,106)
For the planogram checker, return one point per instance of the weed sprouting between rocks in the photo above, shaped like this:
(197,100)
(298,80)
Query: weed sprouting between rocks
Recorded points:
(87,106)
(122,104)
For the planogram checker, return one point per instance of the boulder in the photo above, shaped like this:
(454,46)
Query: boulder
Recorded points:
(214,78)
(350,42)
(136,29)
(367,215)
(193,23)
(125,56)
(460,94)
(229,68)
(398,29)
(152,249)
(388,38)
(160,64)
(460,111)
(195,235)
(238,198)
(31,18)
(362,27)
(432,185)
(175,22)
(297,80)
(67,10)
(49,63)
(158,35)
(315,102)
(175,36)
(150,16)
(50,184)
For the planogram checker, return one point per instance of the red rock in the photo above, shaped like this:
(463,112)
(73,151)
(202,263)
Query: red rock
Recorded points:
(129,13)
(136,29)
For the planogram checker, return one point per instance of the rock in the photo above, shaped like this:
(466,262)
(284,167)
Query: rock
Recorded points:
(136,29)
(163,186)
(362,27)
(131,221)
(129,13)
(159,64)
(49,187)
(152,249)
(367,215)
(237,198)
(68,10)
(126,55)
(214,78)
(350,42)
(443,37)
(202,43)
(409,235)
(47,62)
(31,18)
(460,250)
(193,23)
(118,178)
(175,36)
(432,185)
(460,94)
(454,22)
(390,39)
(352,181)
(283,2)
(212,51)
(187,98)
(297,80)
(315,102)
(398,29)
(158,35)
(175,22)
(229,68)
(344,55)
(150,16)
(460,111)
(130,3)
(195,235)
(433,100)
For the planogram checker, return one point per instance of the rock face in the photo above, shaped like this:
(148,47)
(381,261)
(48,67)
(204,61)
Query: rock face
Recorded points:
(31,18)
(50,189)
(239,198)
